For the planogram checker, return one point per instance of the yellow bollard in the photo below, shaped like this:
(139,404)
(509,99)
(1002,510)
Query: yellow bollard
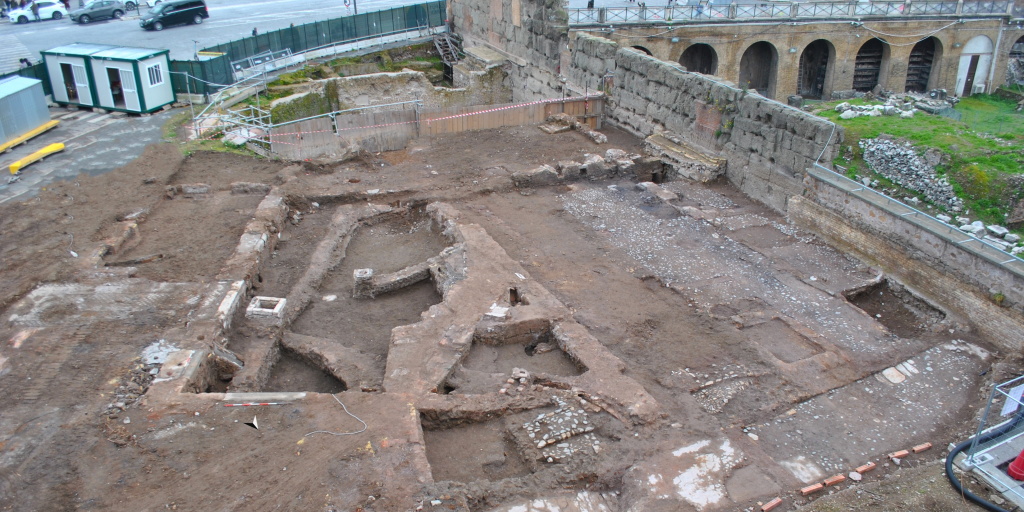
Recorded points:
(18,165)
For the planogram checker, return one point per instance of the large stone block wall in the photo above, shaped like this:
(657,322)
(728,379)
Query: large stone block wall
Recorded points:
(922,254)
(768,144)
(532,33)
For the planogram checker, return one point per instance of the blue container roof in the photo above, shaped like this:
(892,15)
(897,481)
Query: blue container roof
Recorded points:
(16,84)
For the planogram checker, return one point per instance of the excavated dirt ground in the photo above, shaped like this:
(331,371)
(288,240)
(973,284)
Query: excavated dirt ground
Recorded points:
(757,351)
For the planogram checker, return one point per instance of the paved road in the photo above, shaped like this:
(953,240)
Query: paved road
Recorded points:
(229,20)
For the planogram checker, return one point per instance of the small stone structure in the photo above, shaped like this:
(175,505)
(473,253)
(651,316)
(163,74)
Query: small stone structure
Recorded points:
(614,163)
(266,308)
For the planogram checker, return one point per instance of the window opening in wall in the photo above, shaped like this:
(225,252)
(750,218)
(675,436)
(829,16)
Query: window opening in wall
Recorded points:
(813,69)
(156,75)
(700,58)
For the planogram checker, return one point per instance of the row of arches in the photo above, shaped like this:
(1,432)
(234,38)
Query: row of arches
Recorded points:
(758,66)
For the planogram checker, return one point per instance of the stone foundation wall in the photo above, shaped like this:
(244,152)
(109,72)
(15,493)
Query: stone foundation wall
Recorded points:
(485,88)
(382,88)
(768,144)
(921,253)
(532,34)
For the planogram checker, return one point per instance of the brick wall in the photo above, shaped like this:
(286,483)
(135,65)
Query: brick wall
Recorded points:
(731,40)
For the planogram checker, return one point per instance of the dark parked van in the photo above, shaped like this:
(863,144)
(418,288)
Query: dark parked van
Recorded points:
(177,12)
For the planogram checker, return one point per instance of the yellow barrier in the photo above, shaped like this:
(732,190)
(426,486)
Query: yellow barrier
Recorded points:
(37,156)
(21,140)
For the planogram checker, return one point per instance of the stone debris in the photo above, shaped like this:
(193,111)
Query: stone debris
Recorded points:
(616,162)
(519,382)
(552,432)
(901,164)
(188,190)
(241,187)
(904,106)
(997,231)
(132,386)
(996,235)
(714,396)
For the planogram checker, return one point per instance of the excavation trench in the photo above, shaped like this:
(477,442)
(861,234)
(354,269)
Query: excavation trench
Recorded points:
(897,308)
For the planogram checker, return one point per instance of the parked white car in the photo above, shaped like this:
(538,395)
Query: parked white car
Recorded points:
(152,3)
(48,10)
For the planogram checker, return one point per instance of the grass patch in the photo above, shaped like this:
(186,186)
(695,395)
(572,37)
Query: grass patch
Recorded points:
(172,129)
(216,144)
(175,127)
(984,149)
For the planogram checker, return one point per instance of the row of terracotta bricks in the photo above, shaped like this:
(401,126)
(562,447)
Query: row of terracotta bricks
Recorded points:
(833,480)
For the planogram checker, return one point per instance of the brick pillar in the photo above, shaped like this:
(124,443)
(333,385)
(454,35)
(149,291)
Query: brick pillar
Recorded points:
(844,63)
(729,61)
(787,75)
(896,79)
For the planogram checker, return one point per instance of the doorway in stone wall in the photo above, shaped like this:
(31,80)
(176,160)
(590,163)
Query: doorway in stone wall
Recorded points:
(758,68)
(923,57)
(700,58)
(815,67)
(871,60)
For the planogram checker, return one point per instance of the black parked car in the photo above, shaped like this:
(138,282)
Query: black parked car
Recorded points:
(176,12)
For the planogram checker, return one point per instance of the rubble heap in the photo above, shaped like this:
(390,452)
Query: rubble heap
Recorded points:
(904,105)
(900,163)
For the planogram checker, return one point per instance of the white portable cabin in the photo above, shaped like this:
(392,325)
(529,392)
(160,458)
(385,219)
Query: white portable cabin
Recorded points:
(70,73)
(124,79)
(132,79)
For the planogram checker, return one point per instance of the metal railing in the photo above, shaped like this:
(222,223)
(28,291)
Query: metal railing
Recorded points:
(255,60)
(785,10)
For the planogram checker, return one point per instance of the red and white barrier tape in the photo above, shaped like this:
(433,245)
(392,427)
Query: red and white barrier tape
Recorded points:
(273,138)
(453,116)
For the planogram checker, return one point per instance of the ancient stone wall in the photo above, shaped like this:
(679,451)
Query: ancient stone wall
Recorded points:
(383,88)
(532,34)
(968,279)
(768,144)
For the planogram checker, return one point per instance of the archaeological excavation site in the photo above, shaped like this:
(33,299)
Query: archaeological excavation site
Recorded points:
(580,280)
